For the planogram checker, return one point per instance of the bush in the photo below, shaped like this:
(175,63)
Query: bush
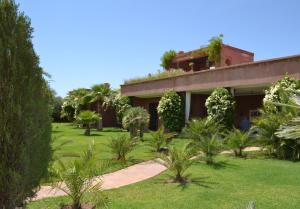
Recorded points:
(214,49)
(170,110)
(78,178)
(120,147)
(220,107)
(178,161)
(237,141)
(25,122)
(158,139)
(166,59)
(205,138)
(87,118)
(136,120)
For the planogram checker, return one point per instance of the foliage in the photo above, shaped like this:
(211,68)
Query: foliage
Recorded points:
(120,147)
(214,49)
(74,102)
(280,92)
(25,129)
(158,139)
(87,118)
(178,161)
(136,120)
(156,76)
(170,110)
(206,138)
(119,102)
(166,59)
(57,104)
(220,107)
(77,179)
(237,141)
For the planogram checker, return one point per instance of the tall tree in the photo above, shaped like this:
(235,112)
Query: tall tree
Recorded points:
(25,128)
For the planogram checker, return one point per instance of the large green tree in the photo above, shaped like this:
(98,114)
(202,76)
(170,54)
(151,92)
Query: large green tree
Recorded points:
(25,128)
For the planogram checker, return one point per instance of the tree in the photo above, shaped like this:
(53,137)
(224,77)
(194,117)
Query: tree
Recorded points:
(57,104)
(214,49)
(166,59)
(237,141)
(120,147)
(158,139)
(97,95)
(78,178)
(220,107)
(170,110)
(136,120)
(25,123)
(178,161)
(86,119)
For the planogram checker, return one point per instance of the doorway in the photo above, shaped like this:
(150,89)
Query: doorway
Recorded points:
(153,125)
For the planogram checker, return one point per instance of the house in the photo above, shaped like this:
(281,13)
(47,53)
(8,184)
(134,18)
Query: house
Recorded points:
(237,71)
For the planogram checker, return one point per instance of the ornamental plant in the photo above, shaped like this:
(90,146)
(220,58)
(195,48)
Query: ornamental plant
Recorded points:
(86,119)
(214,48)
(120,147)
(220,107)
(280,92)
(170,110)
(167,58)
(237,141)
(136,120)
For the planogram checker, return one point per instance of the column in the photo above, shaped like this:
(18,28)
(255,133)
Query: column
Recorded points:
(187,106)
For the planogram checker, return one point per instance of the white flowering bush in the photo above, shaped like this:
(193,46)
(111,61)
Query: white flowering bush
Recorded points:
(220,107)
(170,110)
(280,92)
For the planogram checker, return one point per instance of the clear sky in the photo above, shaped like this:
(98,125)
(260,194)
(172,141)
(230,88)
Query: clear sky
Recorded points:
(81,43)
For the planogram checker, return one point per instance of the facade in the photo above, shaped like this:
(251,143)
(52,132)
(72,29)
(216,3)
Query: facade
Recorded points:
(245,78)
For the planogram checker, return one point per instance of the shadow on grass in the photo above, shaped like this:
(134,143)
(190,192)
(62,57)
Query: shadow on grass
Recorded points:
(222,165)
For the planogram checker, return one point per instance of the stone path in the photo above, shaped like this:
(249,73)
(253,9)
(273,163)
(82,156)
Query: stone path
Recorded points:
(123,177)
(126,176)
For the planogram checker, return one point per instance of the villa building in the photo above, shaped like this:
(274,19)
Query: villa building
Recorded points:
(237,71)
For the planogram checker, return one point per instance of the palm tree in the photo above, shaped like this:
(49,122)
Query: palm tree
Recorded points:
(159,138)
(237,141)
(87,118)
(120,147)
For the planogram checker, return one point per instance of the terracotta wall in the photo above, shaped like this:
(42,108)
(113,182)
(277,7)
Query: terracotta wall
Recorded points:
(232,56)
(108,116)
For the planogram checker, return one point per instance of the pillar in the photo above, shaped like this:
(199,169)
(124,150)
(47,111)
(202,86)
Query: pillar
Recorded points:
(187,106)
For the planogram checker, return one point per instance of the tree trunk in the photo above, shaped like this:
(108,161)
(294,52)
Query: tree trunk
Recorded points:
(88,130)
(99,123)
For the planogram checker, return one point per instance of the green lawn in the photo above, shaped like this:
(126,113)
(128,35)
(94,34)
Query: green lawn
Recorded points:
(232,183)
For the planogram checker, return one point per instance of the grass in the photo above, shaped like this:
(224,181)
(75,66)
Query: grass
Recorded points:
(70,141)
(231,183)
(155,76)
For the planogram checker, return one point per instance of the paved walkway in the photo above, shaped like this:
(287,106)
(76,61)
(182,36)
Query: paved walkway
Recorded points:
(123,177)
(126,176)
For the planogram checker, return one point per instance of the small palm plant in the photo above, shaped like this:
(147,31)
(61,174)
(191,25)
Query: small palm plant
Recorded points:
(87,119)
(178,161)
(237,141)
(158,139)
(120,147)
(77,179)
(205,138)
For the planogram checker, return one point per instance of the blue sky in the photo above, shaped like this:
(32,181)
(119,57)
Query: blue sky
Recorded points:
(81,43)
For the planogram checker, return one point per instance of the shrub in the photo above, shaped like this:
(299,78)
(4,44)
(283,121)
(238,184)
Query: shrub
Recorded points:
(178,161)
(77,179)
(214,49)
(237,141)
(87,118)
(25,122)
(136,120)
(120,147)
(166,59)
(158,139)
(170,110)
(205,138)
(220,107)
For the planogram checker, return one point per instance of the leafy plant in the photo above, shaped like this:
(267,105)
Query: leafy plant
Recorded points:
(159,139)
(170,110)
(25,98)
(136,120)
(237,141)
(87,118)
(220,107)
(120,147)
(206,138)
(166,59)
(214,49)
(77,179)
(178,161)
